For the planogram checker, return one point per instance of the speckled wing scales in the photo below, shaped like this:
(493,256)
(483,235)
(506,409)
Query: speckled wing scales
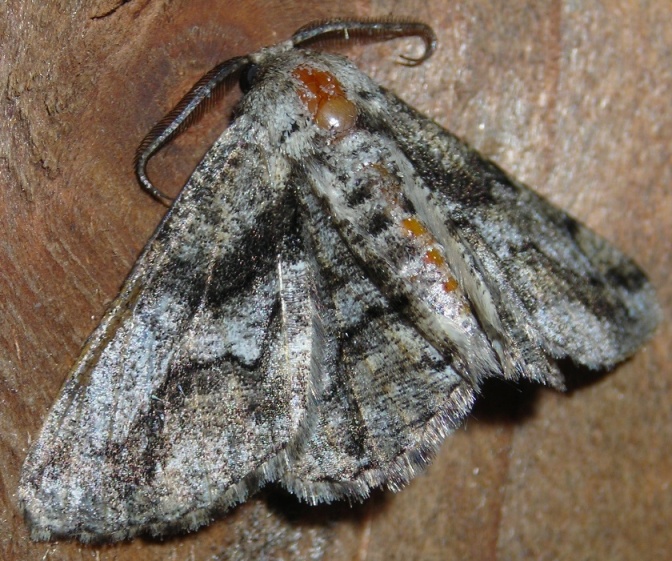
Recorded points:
(389,398)
(207,348)
(537,286)
(557,289)
(320,307)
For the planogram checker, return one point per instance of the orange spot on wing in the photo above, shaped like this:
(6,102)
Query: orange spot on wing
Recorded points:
(450,285)
(434,257)
(413,226)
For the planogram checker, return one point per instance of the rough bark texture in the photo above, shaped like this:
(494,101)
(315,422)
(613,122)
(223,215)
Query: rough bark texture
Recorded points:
(572,98)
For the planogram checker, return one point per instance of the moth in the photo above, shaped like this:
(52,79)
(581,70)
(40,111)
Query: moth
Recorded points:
(319,307)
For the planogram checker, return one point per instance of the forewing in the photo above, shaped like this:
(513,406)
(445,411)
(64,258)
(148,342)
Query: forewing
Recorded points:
(196,382)
(552,283)
(389,397)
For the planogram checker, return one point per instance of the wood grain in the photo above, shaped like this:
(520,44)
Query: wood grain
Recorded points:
(571,97)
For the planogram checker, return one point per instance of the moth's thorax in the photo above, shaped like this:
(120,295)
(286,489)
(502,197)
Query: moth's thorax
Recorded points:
(325,99)
(308,98)
(323,109)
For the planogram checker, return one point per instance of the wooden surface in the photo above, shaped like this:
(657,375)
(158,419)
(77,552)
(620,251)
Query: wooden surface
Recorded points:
(572,98)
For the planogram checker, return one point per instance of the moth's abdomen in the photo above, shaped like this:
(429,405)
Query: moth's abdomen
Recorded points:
(371,185)
(362,178)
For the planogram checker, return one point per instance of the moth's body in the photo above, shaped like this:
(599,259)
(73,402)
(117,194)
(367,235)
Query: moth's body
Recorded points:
(319,307)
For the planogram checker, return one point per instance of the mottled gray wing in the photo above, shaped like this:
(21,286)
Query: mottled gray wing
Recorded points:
(388,396)
(555,285)
(190,392)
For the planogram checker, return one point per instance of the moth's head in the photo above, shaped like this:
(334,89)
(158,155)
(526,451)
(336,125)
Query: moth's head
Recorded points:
(320,87)
(291,89)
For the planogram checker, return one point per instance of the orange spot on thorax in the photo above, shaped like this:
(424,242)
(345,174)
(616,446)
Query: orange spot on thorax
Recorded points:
(318,87)
(325,99)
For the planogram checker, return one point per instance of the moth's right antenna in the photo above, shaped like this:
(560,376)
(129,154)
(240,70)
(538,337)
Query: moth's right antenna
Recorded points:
(343,30)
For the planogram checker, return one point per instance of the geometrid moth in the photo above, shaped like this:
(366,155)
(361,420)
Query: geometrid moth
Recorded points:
(319,307)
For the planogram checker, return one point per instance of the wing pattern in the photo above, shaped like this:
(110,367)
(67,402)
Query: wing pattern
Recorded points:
(319,307)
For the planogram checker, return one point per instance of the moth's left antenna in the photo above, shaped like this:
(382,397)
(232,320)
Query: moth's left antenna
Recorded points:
(205,92)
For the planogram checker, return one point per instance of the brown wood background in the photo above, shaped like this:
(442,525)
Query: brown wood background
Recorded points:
(574,98)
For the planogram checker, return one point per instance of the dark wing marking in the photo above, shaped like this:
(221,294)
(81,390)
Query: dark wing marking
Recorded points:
(187,396)
(555,285)
(389,397)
